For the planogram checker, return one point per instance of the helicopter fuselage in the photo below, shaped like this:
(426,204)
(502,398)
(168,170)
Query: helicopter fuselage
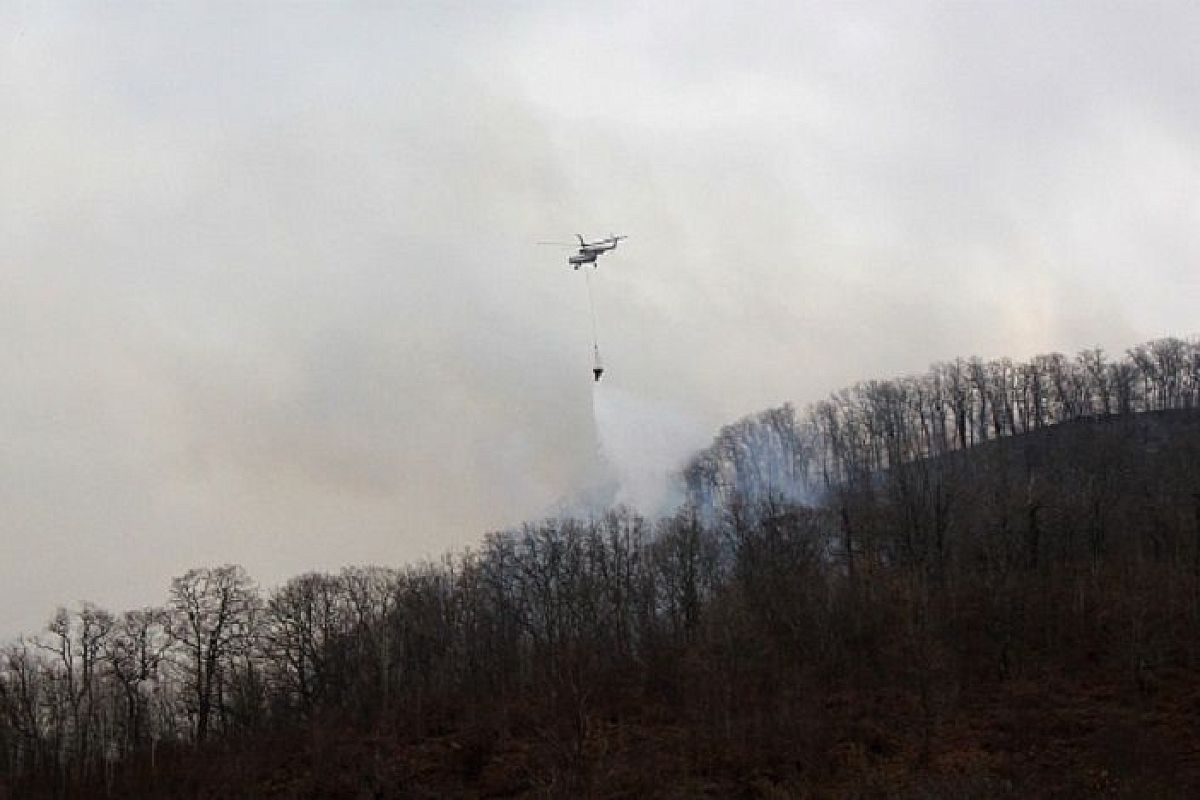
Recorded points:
(589,251)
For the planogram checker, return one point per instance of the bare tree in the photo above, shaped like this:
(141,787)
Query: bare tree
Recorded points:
(305,617)
(134,653)
(215,610)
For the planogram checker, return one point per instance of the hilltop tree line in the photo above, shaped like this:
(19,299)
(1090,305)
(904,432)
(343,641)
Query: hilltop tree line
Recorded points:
(872,426)
(896,549)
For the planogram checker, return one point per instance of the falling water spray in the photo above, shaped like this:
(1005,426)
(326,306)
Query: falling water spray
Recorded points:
(640,444)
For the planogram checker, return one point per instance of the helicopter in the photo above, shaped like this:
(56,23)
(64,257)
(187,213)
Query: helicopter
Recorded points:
(589,251)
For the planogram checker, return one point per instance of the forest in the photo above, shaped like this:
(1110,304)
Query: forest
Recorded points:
(980,581)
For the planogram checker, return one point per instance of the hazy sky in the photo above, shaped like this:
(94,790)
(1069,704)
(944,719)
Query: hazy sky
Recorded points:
(270,294)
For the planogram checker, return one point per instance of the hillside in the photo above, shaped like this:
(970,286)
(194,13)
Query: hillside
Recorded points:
(900,593)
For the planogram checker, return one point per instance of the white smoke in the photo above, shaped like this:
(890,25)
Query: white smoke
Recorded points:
(642,444)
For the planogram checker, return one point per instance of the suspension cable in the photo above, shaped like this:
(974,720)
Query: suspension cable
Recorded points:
(587,274)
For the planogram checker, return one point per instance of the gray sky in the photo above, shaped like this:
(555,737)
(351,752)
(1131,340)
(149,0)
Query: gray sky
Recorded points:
(269,291)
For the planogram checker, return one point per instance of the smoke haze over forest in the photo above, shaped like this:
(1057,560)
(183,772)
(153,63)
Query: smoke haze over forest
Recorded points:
(269,292)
